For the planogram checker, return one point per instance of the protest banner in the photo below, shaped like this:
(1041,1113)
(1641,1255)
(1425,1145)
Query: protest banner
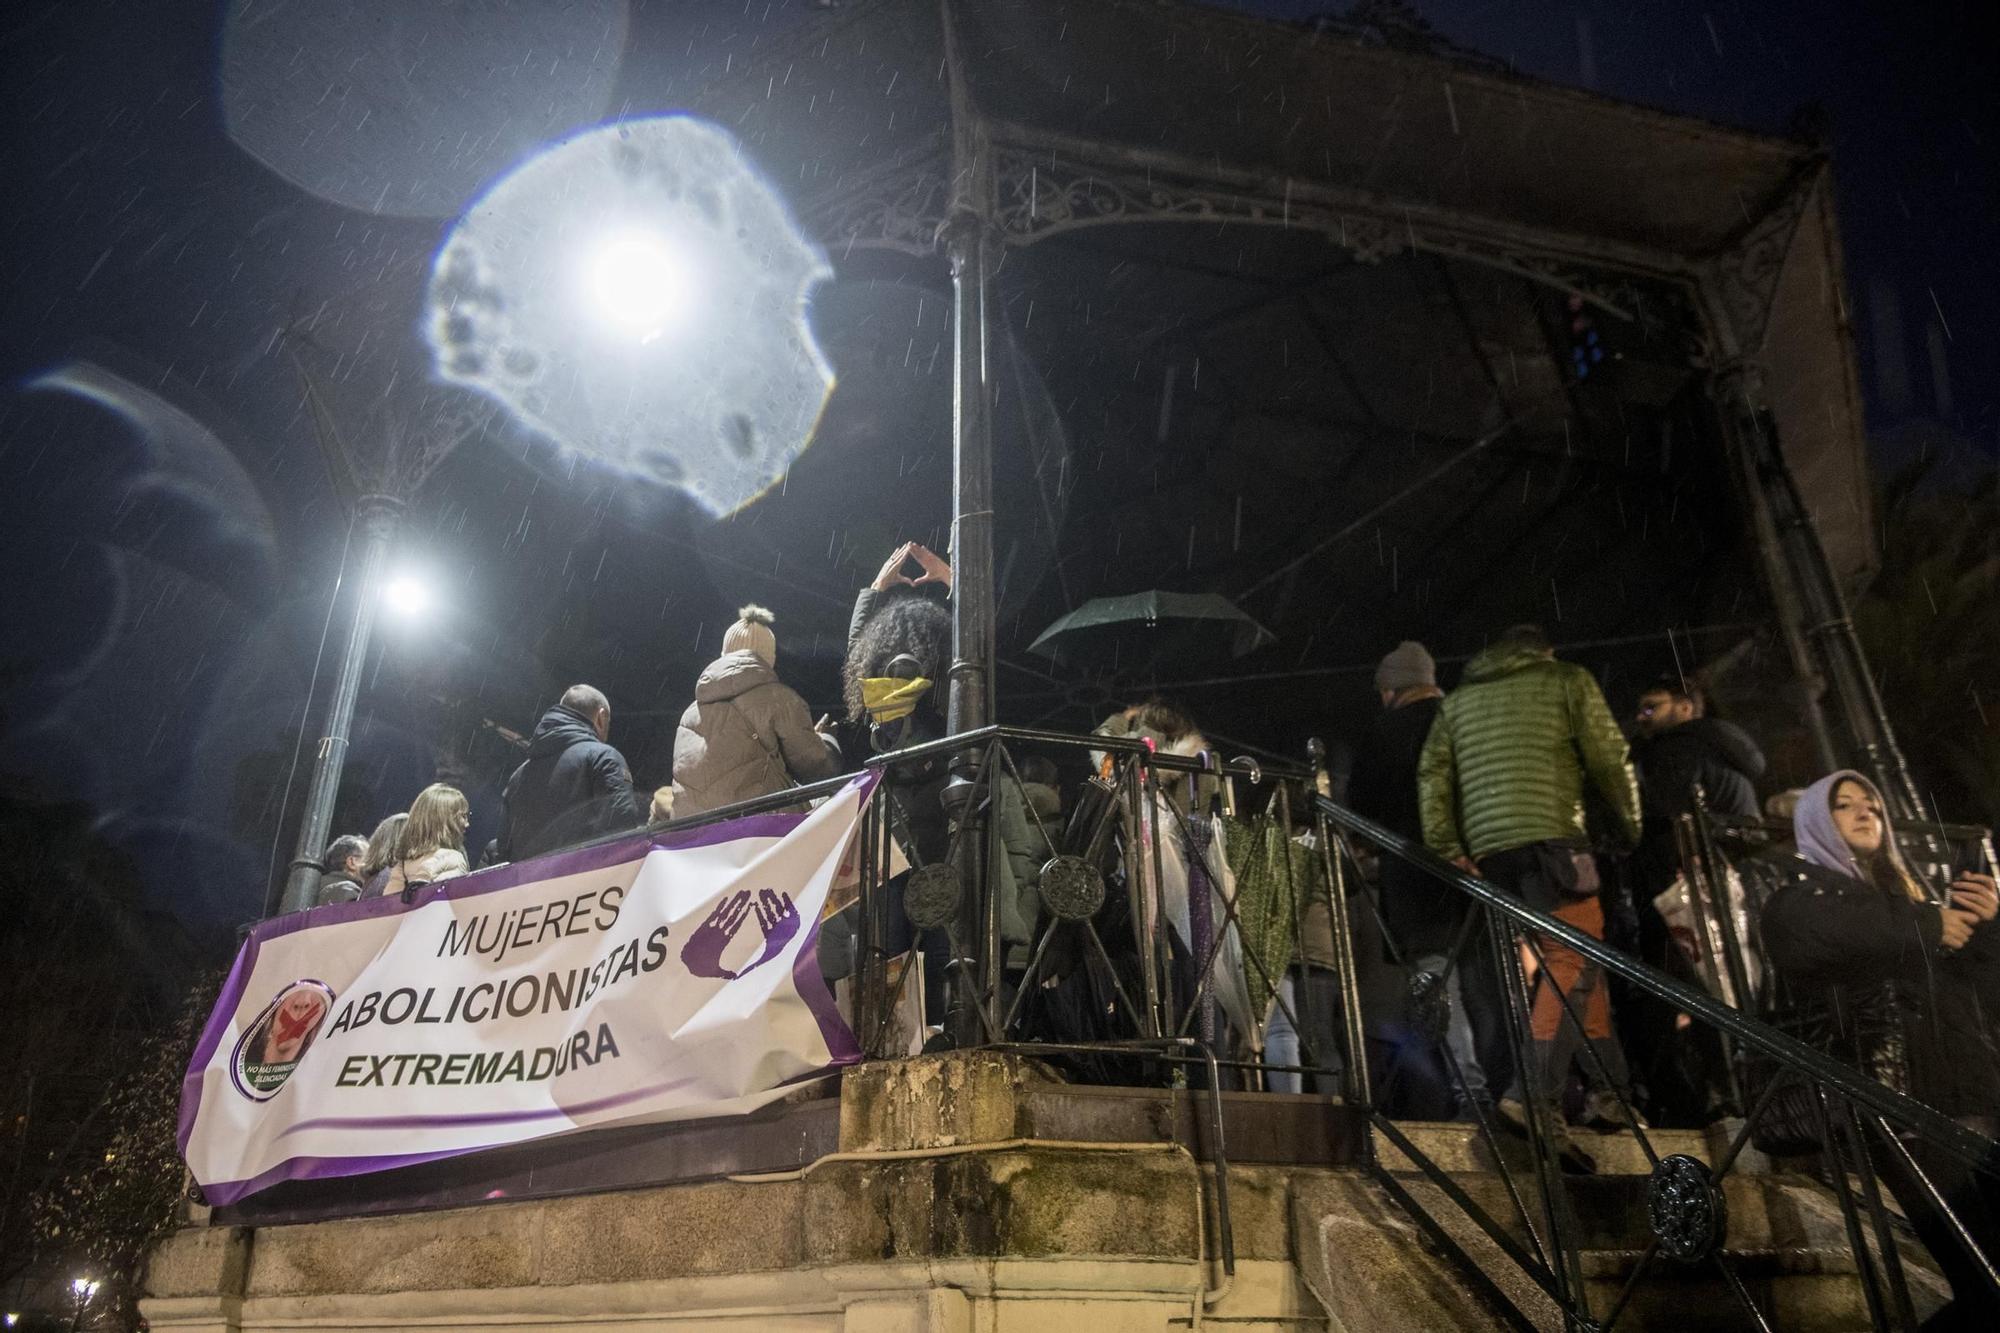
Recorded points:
(651,978)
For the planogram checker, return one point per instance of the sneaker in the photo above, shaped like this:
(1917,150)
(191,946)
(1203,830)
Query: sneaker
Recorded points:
(1474,1108)
(1511,1114)
(1605,1113)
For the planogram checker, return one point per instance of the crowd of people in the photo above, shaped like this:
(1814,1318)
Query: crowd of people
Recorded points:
(1521,775)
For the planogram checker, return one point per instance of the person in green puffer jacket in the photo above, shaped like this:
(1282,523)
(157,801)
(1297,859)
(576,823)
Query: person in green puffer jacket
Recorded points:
(1508,757)
(1501,789)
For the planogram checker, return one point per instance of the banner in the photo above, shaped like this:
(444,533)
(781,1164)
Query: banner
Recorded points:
(659,977)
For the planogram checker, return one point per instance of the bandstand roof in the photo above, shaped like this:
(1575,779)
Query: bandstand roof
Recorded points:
(1269,290)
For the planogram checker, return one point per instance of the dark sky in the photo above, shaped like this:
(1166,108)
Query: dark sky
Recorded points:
(172,536)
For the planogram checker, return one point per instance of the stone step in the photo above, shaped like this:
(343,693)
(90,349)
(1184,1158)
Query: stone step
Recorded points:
(1764,1212)
(1786,1242)
(1457,1147)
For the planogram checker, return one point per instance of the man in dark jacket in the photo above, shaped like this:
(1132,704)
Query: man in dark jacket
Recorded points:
(1422,917)
(340,882)
(1502,786)
(574,786)
(1679,748)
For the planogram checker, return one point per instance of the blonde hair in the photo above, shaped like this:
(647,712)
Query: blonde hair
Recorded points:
(434,823)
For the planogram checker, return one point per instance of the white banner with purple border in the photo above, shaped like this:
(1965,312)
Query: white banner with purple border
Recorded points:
(659,977)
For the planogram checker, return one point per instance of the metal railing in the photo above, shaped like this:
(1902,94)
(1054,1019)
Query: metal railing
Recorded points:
(1872,1138)
(1125,961)
(1125,903)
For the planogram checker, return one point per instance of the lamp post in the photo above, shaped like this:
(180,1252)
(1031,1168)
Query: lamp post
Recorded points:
(379,516)
(396,451)
(82,1288)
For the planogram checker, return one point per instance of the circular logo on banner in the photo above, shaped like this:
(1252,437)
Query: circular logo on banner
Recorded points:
(266,1055)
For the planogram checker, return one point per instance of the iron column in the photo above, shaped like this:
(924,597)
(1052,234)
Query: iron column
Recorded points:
(378,516)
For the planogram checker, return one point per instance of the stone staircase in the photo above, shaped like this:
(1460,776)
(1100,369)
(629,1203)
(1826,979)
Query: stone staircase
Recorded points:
(974,1192)
(1786,1240)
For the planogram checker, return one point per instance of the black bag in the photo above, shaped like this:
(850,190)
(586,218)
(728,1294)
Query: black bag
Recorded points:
(1571,868)
(1862,1029)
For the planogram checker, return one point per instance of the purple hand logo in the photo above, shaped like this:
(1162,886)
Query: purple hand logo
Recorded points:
(777,921)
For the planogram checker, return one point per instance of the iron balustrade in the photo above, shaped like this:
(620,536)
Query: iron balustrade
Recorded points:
(1104,901)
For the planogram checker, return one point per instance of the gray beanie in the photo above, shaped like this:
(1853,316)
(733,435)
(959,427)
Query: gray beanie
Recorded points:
(1408,667)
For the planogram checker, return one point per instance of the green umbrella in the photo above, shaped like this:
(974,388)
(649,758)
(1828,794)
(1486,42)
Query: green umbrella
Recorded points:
(1143,627)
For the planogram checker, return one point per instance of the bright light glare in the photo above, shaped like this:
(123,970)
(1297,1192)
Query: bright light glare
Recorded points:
(572,291)
(638,284)
(407,596)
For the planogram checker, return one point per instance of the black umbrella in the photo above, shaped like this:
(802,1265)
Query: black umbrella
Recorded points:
(1143,628)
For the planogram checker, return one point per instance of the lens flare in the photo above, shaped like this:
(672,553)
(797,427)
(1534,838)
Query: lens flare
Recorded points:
(638,284)
(638,294)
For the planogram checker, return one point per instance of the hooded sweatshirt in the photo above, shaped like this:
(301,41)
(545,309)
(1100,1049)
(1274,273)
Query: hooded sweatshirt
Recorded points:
(1837,940)
(747,734)
(572,788)
(1514,748)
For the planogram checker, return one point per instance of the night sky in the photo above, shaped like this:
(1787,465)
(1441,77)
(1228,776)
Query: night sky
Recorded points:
(171,541)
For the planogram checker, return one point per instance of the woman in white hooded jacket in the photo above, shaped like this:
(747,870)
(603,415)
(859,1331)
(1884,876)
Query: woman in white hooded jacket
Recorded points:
(747,733)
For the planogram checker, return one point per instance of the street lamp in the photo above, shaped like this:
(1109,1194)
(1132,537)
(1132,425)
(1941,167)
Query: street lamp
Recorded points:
(375,470)
(638,294)
(83,1288)
(638,284)
(407,595)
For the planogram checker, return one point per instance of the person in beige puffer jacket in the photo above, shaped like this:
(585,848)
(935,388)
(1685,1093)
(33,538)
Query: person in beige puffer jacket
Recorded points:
(747,733)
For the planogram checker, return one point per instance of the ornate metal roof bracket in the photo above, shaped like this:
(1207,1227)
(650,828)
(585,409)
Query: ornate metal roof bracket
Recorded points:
(1049,184)
(1744,274)
(898,205)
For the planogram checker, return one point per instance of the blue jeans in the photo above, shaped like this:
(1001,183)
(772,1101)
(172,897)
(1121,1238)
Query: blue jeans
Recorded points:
(1317,1005)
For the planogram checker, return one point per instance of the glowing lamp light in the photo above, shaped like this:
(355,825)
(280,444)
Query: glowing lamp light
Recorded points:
(666,230)
(407,596)
(638,285)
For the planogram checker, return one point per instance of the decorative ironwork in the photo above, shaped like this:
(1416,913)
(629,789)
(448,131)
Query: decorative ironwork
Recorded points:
(898,206)
(930,899)
(1071,888)
(1040,195)
(1747,272)
(1687,1209)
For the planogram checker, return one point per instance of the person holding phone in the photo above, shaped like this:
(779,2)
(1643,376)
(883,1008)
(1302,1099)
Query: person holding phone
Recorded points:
(1907,987)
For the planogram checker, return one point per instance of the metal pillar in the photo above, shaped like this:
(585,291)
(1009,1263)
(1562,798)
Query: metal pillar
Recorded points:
(378,516)
(1813,606)
(1832,631)
(968,233)
(1736,418)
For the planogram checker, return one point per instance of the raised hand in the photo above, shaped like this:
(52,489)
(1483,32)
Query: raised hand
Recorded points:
(892,569)
(702,954)
(935,568)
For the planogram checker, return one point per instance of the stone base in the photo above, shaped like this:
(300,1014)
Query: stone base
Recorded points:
(948,1206)
(971,1191)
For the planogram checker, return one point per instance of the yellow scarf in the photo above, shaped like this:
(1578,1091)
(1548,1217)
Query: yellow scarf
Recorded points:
(890,698)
